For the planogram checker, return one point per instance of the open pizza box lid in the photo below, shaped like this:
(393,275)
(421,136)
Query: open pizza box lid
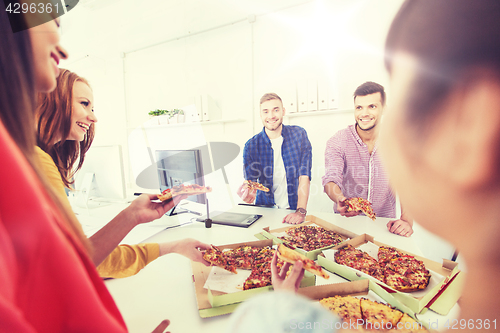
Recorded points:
(365,288)
(440,297)
(213,303)
(310,220)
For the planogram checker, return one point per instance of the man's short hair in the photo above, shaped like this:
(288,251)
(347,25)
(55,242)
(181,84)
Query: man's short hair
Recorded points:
(369,88)
(270,96)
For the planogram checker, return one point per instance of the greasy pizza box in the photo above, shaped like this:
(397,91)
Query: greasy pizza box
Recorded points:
(310,219)
(214,303)
(356,288)
(440,298)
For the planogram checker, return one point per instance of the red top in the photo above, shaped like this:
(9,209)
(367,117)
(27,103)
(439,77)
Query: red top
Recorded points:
(47,281)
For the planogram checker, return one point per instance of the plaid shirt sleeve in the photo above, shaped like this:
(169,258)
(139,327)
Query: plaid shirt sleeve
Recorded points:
(306,157)
(297,157)
(334,162)
(257,167)
(250,166)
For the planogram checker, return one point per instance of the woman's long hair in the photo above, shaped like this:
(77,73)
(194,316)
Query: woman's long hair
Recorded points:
(17,102)
(17,87)
(53,117)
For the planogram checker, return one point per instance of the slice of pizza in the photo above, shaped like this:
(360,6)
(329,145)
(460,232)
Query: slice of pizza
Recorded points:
(256,186)
(189,189)
(311,238)
(217,258)
(360,205)
(243,256)
(409,325)
(288,255)
(386,253)
(406,274)
(258,278)
(348,308)
(379,315)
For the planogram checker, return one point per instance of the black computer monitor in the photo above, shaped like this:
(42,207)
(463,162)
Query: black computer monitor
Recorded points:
(177,167)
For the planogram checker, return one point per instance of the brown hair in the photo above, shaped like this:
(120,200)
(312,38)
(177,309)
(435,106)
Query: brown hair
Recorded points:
(53,116)
(369,88)
(270,96)
(17,96)
(17,87)
(448,38)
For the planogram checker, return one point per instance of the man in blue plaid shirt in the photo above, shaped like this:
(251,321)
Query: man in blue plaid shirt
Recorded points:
(279,158)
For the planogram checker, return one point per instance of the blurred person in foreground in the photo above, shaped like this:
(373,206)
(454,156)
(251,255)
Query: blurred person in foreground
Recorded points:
(441,140)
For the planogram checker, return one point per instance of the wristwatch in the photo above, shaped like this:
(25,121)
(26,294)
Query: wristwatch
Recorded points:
(302,211)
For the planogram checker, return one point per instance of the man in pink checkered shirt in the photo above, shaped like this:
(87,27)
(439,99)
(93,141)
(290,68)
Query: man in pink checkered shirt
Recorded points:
(352,164)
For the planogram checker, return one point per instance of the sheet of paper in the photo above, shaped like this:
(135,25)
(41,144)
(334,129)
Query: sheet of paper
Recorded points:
(221,280)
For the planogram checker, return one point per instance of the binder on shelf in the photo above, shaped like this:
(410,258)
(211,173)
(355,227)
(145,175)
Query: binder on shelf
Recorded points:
(195,114)
(302,96)
(312,95)
(210,110)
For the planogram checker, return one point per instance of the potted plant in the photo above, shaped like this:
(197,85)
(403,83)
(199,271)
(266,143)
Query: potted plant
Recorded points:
(172,116)
(181,115)
(161,114)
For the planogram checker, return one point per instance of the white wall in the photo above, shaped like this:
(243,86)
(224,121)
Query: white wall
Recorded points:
(233,50)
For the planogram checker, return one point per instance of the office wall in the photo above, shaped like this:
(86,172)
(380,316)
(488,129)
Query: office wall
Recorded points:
(138,60)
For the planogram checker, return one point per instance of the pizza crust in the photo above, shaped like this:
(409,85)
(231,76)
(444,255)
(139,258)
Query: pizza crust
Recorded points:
(291,256)
(368,315)
(190,189)
(399,271)
(256,186)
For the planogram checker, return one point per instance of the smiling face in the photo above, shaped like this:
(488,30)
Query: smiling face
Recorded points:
(46,55)
(82,111)
(367,111)
(271,113)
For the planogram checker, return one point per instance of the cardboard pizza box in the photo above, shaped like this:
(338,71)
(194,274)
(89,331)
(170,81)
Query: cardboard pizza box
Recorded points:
(358,288)
(310,220)
(440,297)
(214,303)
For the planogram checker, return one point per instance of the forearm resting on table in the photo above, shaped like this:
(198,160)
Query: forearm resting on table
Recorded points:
(405,216)
(107,239)
(333,191)
(303,191)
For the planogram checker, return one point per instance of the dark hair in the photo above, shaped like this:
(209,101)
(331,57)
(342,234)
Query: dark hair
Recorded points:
(448,38)
(53,115)
(268,97)
(17,87)
(369,88)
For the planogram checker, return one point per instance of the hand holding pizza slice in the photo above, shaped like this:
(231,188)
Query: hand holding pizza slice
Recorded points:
(190,189)
(360,205)
(288,255)
(256,186)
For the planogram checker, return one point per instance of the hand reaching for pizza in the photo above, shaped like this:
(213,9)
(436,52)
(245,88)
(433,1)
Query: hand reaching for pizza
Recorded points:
(189,248)
(246,193)
(162,327)
(294,218)
(342,208)
(143,209)
(281,281)
(400,227)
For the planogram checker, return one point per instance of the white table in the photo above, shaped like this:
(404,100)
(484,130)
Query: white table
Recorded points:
(164,289)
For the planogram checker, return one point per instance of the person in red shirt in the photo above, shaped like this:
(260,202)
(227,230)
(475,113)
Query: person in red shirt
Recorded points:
(48,281)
